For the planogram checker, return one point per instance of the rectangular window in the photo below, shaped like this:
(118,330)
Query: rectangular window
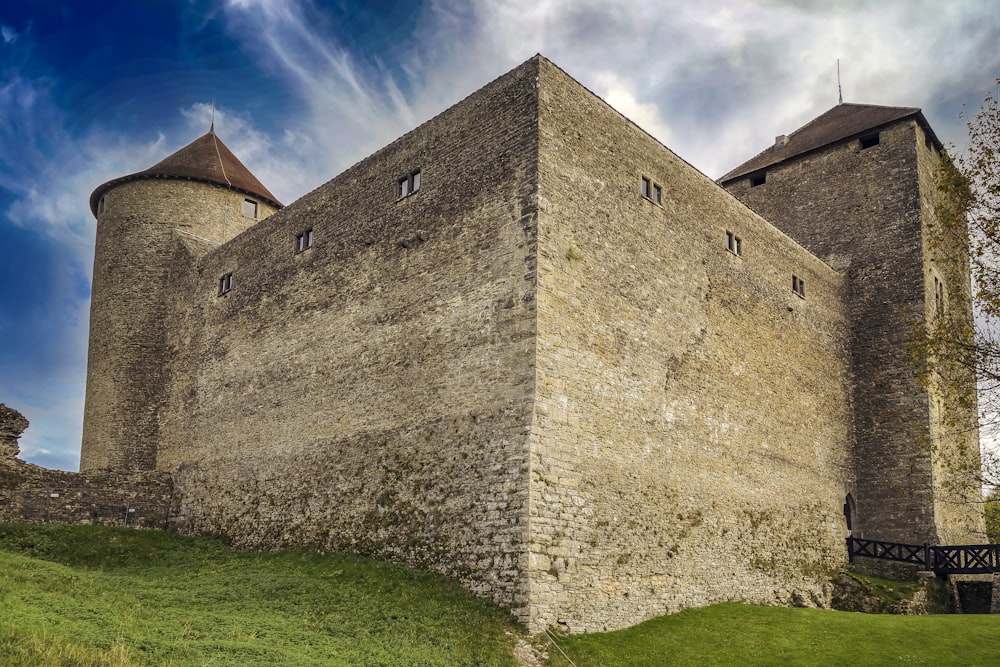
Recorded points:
(409,184)
(758,179)
(652,191)
(100,206)
(734,244)
(799,286)
(250,208)
(304,240)
(869,141)
(225,283)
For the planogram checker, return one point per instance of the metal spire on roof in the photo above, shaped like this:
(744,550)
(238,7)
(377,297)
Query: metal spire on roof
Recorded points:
(840,94)
(211,130)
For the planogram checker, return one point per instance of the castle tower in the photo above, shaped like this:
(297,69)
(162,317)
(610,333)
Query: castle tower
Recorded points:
(856,187)
(202,190)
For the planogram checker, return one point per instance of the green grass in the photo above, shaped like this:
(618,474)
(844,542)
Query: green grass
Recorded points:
(84,595)
(87,596)
(888,589)
(737,634)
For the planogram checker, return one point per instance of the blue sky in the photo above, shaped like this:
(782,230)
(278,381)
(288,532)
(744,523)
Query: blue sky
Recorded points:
(91,91)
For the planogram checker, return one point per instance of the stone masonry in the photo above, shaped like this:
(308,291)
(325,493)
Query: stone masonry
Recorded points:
(865,204)
(36,495)
(528,346)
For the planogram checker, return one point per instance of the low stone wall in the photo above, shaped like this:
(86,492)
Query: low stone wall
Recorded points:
(29,493)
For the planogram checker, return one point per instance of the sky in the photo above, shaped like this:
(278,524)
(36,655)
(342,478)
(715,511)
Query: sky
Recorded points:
(302,89)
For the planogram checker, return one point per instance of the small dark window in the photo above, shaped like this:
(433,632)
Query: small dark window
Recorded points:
(869,141)
(939,300)
(799,286)
(408,184)
(734,244)
(100,206)
(758,179)
(225,283)
(304,240)
(250,208)
(652,191)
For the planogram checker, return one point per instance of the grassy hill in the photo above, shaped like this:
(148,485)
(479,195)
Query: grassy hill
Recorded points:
(83,595)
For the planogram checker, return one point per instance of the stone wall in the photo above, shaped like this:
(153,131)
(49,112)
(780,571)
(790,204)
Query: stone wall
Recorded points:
(578,400)
(860,210)
(692,438)
(953,431)
(137,233)
(373,392)
(36,495)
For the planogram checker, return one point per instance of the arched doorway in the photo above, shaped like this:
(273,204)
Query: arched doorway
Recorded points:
(850,511)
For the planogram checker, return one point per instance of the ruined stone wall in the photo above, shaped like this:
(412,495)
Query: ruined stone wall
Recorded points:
(127,359)
(32,494)
(692,433)
(373,392)
(860,209)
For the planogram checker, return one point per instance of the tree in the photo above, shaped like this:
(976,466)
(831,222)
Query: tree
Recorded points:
(959,343)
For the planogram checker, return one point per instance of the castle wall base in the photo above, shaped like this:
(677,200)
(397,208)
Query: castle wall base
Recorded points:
(32,494)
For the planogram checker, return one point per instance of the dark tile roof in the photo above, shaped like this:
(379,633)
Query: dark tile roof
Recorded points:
(841,122)
(205,159)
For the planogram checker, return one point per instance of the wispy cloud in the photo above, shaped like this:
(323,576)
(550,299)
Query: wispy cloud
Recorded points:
(351,106)
(47,173)
(715,80)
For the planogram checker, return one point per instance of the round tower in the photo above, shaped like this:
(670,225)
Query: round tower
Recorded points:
(202,190)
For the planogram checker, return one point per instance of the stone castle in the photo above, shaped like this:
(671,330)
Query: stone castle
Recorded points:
(528,346)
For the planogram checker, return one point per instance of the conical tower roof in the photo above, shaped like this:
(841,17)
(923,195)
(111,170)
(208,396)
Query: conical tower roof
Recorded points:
(843,121)
(205,159)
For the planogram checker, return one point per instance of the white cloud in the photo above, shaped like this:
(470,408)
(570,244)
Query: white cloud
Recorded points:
(647,115)
(352,108)
(714,80)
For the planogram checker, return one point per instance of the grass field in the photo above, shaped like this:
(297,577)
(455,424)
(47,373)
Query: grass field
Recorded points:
(737,634)
(82,595)
(87,596)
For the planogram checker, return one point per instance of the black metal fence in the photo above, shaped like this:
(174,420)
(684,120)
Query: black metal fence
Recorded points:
(966,559)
